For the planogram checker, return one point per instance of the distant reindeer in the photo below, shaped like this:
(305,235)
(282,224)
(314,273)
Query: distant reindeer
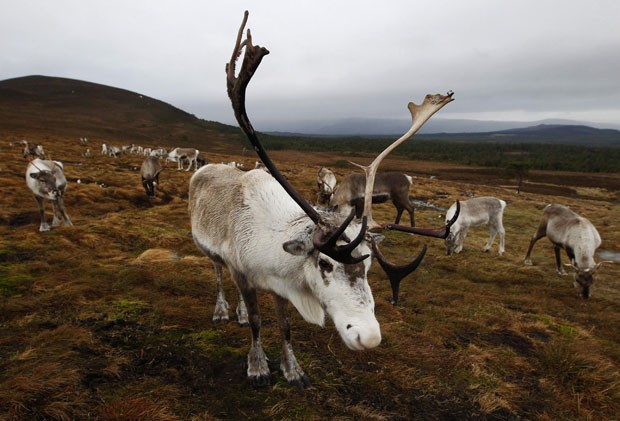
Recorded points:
(181,154)
(388,185)
(46,180)
(30,149)
(475,212)
(577,236)
(326,183)
(149,173)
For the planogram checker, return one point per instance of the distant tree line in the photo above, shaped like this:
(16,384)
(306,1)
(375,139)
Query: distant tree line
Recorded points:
(533,156)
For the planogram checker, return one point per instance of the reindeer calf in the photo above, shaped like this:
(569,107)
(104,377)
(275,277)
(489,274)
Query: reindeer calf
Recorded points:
(47,180)
(475,212)
(577,236)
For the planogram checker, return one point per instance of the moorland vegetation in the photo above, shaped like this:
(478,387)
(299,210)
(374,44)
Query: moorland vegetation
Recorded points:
(111,318)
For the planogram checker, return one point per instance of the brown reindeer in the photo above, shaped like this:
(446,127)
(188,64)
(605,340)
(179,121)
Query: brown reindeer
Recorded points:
(388,185)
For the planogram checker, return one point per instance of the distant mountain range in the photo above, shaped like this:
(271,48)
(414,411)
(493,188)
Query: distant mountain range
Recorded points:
(42,105)
(388,127)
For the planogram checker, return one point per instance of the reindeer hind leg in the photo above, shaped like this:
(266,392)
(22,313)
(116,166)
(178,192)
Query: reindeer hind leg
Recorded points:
(220,314)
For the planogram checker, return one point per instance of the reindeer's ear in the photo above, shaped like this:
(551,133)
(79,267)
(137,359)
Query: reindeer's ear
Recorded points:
(300,245)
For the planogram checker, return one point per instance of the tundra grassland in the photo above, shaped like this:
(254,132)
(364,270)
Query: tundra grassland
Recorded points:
(111,319)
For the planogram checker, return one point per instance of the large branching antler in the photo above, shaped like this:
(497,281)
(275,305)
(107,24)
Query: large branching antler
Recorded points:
(419,115)
(327,235)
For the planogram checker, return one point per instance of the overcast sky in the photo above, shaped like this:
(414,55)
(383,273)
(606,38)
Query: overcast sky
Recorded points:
(510,60)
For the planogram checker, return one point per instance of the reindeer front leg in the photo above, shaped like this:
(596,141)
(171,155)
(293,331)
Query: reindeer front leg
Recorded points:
(63,211)
(258,370)
(60,213)
(44,225)
(558,260)
(289,366)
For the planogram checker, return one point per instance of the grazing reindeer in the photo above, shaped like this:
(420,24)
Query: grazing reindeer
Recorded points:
(388,185)
(47,180)
(180,154)
(30,149)
(149,173)
(114,151)
(577,236)
(475,212)
(272,239)
(326,183)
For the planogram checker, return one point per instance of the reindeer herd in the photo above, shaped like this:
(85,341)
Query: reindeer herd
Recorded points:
(317,257)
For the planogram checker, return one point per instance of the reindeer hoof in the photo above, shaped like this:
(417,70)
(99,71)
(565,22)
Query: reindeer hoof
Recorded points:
(220,319)
(260,380)
(301,383)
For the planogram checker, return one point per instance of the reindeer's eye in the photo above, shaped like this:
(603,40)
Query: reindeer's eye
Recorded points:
(325,265)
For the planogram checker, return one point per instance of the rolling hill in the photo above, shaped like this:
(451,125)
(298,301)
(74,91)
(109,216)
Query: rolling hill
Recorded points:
(68,107)
(74,108)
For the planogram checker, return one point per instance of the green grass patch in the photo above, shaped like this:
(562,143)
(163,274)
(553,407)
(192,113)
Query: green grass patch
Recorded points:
(14,281)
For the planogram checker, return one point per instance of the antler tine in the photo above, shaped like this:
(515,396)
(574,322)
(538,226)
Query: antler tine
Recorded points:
(419,115)
(340,253)
(236,86)
(396,273)
(442,232)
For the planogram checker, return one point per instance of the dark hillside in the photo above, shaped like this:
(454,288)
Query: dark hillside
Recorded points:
(74,108)
(561,130)
(551,134)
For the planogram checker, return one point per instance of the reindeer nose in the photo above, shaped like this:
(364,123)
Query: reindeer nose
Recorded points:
(364,337)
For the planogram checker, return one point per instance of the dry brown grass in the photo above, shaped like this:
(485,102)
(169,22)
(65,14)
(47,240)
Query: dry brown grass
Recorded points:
(111,318)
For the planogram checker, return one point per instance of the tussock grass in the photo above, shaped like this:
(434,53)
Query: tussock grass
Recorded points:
(111,318)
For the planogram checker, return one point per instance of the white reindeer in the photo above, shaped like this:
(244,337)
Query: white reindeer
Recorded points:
(180,154)
(476,212)
(47,180)
(577,236)
(272,239)
(326,183)
(114,151)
